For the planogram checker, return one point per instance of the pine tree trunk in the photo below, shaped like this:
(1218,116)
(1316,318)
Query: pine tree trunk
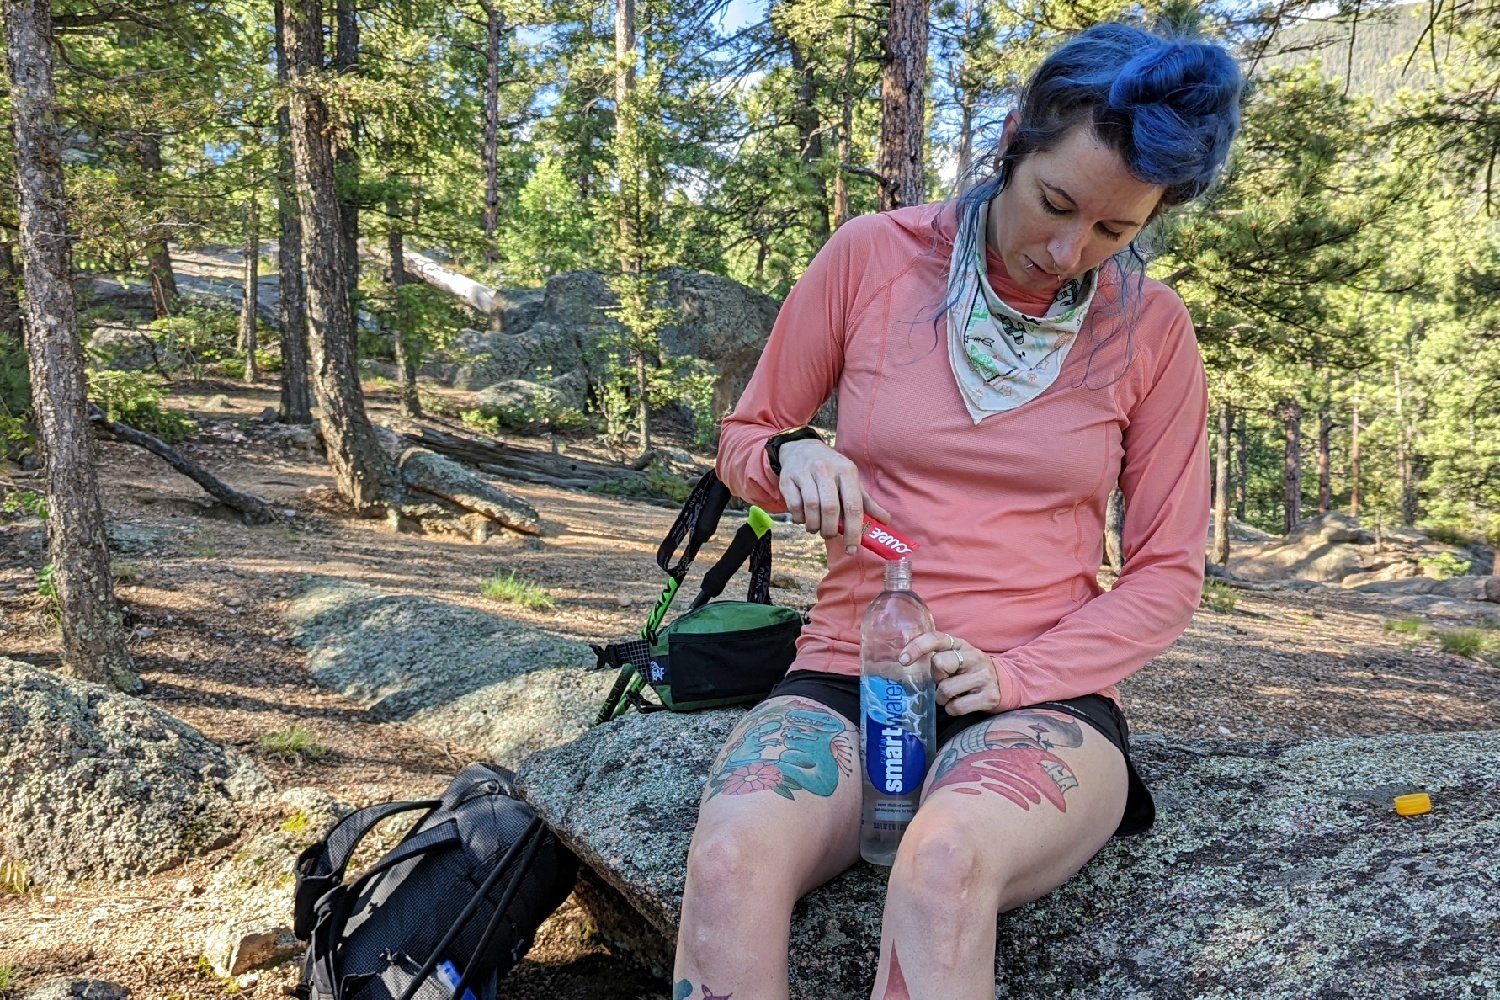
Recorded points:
(1325,445)
(12,330)
(1221,485)
(1404,459)
(291,300)
(1291,470)
(250,301)
(165,297)
(625,56)
(93,640)
(494,27)
(406,367)
(810,134)
(1355,492)
(846,128)
(643,402)
(346,156)
(902,106)
(362,471)
(1241,466)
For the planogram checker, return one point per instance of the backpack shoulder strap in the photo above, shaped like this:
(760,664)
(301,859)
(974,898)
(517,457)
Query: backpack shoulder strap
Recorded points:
(321,866)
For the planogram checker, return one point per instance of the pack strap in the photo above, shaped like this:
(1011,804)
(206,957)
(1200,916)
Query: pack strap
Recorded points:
(747,543)
(321,867)
(696,523)
(529,841)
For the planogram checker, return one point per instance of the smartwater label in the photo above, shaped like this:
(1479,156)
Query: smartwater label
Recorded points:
(895,760)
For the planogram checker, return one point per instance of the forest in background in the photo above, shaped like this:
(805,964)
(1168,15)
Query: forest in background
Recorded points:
(1342,276)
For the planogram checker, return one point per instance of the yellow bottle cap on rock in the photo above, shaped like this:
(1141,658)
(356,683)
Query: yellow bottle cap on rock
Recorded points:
(1413,805)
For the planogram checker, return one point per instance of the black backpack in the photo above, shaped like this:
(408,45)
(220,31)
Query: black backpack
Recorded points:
(446,913)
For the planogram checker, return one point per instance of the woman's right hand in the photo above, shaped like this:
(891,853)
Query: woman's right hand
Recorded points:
(821,487)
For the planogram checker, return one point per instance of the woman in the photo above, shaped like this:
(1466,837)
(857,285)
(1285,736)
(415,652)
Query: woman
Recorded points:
(1000,363)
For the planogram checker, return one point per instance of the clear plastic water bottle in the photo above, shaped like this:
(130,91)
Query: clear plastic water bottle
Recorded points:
(898,714)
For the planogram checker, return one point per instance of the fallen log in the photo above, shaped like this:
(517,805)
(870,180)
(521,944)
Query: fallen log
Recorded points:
(442,477)
(521,463)
(252,509)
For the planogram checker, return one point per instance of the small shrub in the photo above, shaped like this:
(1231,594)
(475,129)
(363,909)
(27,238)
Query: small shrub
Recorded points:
(1449,534)
(46,581)
(14,879)
(1403,626)
(1444,566)
(134,398)
(1463,641)
(18,503)
(513,590)
(8,976)
(123,570)
(1219,596)
(293,741)
(231,368)
(16,439)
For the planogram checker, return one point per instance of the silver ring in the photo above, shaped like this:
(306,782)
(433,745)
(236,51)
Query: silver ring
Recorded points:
(958,653)
(952,642)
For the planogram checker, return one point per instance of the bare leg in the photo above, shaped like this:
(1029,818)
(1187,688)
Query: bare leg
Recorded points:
(1013,808)
(780,816)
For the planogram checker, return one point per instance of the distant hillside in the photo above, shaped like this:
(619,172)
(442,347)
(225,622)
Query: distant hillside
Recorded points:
(1377,67)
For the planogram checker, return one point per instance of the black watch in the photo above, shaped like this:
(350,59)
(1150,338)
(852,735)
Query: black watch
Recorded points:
(773,446)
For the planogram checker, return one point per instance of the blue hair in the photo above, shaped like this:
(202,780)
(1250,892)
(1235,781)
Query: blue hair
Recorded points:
(1170,107)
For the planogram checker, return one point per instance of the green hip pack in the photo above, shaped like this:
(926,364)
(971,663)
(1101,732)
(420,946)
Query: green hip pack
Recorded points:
(717,653)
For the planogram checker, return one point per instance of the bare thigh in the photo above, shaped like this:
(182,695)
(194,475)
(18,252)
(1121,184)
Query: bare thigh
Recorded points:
(787,783)
(1039,792)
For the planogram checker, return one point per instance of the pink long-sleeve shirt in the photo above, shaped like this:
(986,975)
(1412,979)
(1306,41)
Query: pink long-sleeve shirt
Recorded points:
(1009,513)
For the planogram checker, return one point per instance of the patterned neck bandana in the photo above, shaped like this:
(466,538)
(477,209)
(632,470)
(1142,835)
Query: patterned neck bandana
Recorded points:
(1003,358)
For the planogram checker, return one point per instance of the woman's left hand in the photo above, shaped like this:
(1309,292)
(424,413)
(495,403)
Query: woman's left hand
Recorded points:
(964,674)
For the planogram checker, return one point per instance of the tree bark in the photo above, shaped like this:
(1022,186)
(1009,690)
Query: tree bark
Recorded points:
(346,155)
(165,297)
(93,641)
(1241,465)
(625,56)
(1220,555)
(1355,491)
(1291,470)
(406,366)
(250,301)
(362,472)
(902,105)
(291,302)
(846,128)
(810,132)
(1325,477)
(12,330)
(1405,461)
(494,28)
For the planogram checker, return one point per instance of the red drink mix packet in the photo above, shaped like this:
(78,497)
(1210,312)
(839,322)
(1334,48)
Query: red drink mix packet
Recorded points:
(881,540)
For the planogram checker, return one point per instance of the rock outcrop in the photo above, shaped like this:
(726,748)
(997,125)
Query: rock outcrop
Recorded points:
(95,784)
(481,680)
(1275,870)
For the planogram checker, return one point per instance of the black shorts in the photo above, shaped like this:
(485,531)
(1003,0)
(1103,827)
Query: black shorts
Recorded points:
(840,692)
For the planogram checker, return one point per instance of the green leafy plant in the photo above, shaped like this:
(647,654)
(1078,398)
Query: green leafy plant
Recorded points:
(511,589)
(1444,566)
(8,976)
(1219,596)
(19,503)
(16,439)
(46,582)
(293,741)
(1403,626)
(134,398)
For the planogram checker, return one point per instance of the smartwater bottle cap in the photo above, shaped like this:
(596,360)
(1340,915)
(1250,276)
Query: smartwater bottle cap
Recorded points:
(1413,805)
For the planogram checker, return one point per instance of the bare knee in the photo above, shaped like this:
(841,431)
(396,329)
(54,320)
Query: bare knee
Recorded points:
(727,877)
(942,877)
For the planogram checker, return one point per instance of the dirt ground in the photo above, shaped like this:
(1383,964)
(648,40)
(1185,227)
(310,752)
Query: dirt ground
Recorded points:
(210,642)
